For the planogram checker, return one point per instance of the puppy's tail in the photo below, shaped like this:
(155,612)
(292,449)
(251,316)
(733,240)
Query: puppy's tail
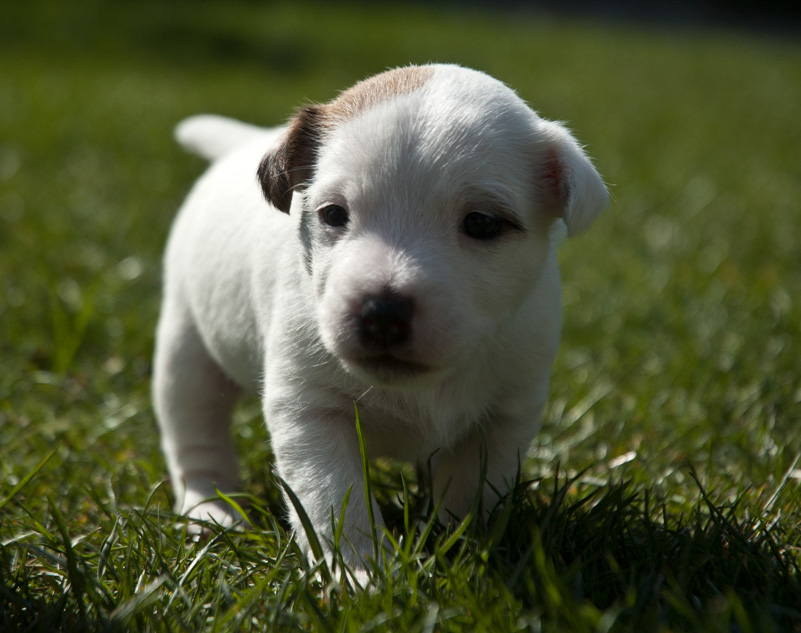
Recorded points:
(211,136)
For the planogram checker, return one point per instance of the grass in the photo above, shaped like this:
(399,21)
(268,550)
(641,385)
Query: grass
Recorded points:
(662,494)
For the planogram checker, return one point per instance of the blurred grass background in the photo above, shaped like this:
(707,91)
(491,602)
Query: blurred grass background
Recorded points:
(683,317)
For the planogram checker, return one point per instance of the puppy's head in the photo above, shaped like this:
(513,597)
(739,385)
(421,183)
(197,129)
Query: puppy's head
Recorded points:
(425,198)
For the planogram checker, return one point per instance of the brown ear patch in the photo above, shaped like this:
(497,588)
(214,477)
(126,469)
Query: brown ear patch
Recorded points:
(293,162)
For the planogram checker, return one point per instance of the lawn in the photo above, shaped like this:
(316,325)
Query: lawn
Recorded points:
(664,492)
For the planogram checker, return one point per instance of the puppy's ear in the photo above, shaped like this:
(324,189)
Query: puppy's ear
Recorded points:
(292,162)
(570,185)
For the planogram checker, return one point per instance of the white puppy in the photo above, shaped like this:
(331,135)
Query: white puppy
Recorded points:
(404,260)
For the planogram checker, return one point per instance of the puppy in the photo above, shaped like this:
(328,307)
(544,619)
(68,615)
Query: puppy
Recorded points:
(404,260)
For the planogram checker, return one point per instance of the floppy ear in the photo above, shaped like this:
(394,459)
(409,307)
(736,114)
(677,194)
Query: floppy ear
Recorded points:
(571,187)
(292,162)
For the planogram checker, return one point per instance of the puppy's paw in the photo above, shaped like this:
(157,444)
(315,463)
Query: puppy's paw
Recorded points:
(213,513)
(361,579)
(205,512)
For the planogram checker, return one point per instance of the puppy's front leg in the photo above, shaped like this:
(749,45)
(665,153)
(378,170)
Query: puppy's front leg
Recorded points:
(458,471)
(317,455)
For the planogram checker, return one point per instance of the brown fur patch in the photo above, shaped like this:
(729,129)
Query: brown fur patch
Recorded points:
(292,163)
(377,89)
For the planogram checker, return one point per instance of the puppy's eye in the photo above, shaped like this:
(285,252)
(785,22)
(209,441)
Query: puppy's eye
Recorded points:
(334,215)
(481,226)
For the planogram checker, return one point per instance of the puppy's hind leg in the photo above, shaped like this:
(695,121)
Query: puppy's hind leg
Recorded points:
(194,400)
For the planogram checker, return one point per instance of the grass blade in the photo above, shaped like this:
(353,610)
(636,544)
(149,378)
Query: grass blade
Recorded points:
(22,482)
(368,493)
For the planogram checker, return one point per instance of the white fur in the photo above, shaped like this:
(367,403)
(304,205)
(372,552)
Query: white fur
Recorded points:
(258,300)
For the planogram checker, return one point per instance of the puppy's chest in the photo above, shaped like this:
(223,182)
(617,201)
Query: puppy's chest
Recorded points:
(410,429)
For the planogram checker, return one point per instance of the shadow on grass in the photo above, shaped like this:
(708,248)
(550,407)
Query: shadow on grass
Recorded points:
(558,551)
(615,547)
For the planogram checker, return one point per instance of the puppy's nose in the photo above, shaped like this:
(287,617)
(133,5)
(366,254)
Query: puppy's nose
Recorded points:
(386,319)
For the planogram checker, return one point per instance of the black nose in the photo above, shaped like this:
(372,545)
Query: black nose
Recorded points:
(386,319)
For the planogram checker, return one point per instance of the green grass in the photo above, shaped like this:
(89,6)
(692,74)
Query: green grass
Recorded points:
(663,493)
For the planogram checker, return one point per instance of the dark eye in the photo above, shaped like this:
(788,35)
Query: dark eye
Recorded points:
(334,215)
(481,226)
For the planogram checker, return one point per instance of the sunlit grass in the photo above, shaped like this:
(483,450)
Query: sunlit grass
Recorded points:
(663,491)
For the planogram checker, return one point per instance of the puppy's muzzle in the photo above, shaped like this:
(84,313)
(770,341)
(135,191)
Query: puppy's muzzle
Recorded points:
(385,320)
